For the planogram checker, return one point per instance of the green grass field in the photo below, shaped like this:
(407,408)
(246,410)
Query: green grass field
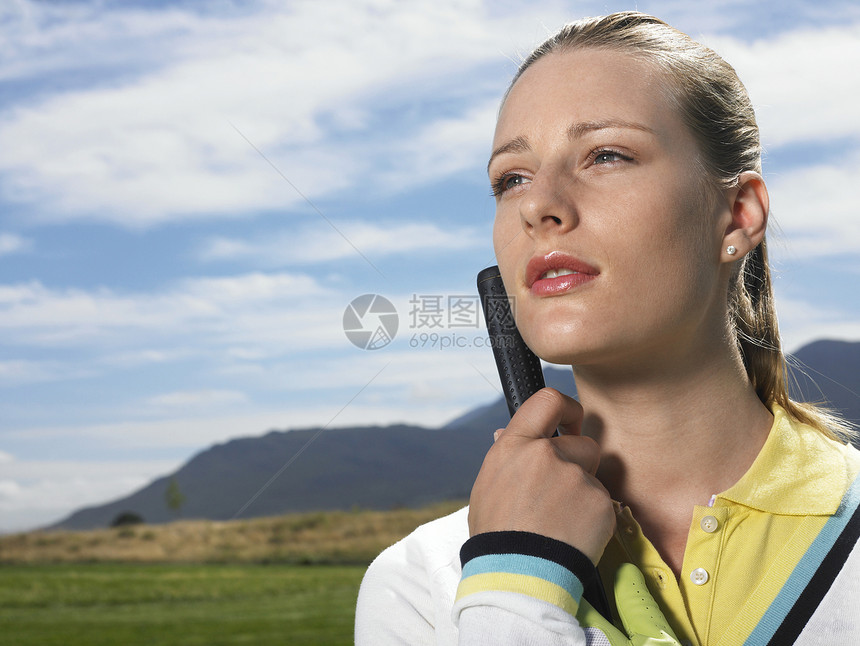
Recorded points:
(96,604)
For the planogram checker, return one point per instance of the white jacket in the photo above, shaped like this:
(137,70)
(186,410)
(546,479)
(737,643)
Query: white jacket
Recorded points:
(408,597)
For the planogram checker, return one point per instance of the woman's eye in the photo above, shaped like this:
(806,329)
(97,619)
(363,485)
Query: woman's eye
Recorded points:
(608,157)
(506,182)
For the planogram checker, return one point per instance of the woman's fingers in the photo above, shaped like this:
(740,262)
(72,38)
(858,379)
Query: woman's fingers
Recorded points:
(580,450)
(545,411)
(532,481)
(548,410)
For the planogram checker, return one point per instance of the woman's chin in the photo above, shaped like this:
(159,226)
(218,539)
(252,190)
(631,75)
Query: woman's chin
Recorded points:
(556,341)
(551,351)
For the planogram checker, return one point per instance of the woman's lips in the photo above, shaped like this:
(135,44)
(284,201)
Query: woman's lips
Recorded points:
(559,284)
(556,273)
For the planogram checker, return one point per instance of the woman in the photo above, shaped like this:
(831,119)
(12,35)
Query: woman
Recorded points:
(630,233)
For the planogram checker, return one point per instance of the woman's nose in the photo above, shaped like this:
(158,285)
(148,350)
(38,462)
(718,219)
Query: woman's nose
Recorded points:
(548,206)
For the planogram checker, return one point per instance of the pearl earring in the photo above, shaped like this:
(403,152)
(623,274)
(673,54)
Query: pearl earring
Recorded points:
(731,250)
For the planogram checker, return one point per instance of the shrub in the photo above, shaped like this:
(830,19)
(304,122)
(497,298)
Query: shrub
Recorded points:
(127,518)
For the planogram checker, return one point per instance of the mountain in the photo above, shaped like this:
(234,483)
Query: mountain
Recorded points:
(310,469)
(828,372)
(392,466)
(495,415)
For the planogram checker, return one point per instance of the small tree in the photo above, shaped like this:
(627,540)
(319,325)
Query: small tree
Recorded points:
(127,518)
(173,496)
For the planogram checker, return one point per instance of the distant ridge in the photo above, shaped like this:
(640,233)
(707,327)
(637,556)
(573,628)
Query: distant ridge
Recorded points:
(393,466)
(371,467)
(829,372)
(495,415)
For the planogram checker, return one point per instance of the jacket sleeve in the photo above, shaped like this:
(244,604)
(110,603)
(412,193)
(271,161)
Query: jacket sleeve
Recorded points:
(395,604)
(520,588)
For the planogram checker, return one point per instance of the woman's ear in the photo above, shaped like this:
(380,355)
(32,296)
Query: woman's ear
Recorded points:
(749,204)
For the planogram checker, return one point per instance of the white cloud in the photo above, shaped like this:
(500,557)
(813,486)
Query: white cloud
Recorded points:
(802,321)
(803,82)
(816,207)
(21,371)
(45,38)
(144,356)
(324,244)
(12,371)
(427,386)
(445,147)
(11,243)
(9,489)
(373,96)
(190,433)
(178,432)
(38,492)
(250,306)
(325,94)
(205,399)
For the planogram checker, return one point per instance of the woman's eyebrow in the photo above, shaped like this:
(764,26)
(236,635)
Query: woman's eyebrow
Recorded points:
(517,145)
(521,144)
(581,128)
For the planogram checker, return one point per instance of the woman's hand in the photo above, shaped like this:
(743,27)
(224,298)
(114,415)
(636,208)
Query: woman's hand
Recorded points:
(533,482)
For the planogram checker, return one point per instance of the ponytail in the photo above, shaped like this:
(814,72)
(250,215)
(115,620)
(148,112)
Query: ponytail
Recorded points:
(757,333)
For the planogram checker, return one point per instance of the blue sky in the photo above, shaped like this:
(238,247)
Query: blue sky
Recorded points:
(191,193)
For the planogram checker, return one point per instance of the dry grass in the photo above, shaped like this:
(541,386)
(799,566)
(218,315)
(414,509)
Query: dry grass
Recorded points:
(319,537)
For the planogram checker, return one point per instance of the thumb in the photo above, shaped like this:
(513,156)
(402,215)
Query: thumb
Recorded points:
(542,413)
(640,615)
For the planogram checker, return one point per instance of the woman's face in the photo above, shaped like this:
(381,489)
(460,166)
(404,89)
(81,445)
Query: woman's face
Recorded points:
(607,239)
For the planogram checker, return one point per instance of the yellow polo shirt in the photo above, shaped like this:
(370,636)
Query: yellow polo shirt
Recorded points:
(742,548)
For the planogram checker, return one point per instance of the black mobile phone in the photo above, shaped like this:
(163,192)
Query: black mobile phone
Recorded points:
(520,373)
(519,367)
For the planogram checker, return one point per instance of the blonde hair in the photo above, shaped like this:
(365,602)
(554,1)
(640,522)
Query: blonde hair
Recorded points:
(716,107)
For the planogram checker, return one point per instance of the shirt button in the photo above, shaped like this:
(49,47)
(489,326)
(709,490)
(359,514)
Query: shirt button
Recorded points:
(699,576)
(709,524)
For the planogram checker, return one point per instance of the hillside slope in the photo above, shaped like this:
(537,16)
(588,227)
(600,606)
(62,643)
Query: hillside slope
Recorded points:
(393,466)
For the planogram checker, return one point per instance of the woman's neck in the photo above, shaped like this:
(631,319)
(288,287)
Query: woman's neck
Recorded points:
(671,437)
